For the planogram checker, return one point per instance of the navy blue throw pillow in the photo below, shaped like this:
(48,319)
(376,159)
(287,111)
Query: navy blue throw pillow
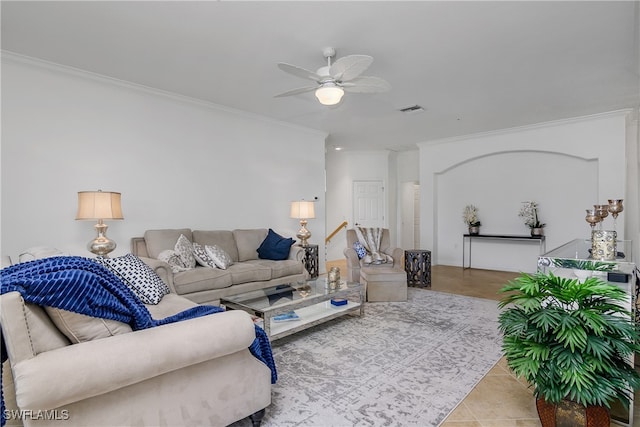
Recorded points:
(275,247)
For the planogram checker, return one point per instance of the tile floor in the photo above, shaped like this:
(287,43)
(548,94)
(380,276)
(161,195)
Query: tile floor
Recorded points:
(499,399)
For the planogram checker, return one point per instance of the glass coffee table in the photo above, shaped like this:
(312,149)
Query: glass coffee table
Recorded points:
(312,302)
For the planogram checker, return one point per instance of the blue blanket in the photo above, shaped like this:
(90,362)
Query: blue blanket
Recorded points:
(83,286)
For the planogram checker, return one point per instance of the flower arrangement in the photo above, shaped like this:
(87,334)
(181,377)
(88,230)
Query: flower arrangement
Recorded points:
(470,216)
(529,212)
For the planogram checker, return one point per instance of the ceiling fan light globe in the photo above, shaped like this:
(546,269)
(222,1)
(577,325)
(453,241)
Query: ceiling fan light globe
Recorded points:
(329,95)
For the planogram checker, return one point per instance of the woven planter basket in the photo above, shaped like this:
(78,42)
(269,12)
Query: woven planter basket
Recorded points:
(572,414)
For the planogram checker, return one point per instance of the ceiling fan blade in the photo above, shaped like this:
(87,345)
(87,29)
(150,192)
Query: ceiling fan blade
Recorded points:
(350,67)
(296,91)
(366,84)
(299,71)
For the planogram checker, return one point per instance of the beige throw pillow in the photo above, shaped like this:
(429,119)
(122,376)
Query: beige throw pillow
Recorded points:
(80,328)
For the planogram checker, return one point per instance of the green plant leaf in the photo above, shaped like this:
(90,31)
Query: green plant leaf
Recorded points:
(570,339)
(571,333)
(546,320)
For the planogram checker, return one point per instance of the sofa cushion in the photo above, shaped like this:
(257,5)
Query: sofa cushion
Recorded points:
(43,335)
(159,240)
(275,247)
(281,268)
(249,271)
(222,238)
(184,248)
(138,276)
(248,242)
(219,256)
(201,279)
(80,328)
(202,256)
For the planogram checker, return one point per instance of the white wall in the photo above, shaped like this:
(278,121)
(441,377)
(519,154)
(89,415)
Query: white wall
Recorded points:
(632,201)
(565,166)
(408,177)
(177,162)
(344,167)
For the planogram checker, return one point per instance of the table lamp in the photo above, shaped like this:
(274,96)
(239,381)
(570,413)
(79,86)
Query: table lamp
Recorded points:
(99,205)
(303,210)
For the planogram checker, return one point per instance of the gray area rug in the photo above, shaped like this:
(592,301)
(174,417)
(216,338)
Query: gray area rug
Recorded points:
(401,364)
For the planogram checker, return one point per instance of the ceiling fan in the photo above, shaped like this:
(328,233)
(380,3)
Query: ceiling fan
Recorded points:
(333,80)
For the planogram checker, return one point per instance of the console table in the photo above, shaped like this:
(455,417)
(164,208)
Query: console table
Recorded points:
(509,237)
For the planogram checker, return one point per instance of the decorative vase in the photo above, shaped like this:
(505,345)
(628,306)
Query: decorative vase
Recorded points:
(603,245)
(572,414)
(474,229)
(334,277)
(537,231)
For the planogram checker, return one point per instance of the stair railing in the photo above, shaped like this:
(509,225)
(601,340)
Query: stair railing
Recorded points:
(334,232)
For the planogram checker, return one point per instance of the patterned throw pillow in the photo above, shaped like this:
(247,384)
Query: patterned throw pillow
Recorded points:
(138,276)
(184,248)
(202,256)
(172,258)
(360,250)
(219,256)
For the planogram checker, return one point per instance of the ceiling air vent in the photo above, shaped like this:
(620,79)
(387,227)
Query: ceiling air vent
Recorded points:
(412,110)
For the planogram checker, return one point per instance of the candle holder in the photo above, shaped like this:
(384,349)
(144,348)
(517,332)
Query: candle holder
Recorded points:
(602,211)
(592,218)
(603,245)
(604,242)
(615,207)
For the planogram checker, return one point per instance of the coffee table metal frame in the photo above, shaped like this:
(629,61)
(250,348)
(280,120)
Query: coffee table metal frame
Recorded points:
(313,308)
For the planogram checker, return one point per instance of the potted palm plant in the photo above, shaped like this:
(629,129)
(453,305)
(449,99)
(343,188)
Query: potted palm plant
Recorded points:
(573,342)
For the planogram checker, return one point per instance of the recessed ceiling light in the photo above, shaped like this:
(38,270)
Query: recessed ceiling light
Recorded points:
(337,148)
(412,109)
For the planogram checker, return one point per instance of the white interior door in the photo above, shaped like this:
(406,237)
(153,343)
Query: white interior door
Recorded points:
(368,204)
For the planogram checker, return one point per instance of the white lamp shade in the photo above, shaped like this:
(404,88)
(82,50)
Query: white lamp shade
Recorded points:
(329,94)
(99,205)
(302,210)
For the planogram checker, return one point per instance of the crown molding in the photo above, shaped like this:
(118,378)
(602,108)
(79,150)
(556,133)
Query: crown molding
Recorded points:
(525,128)
(89,75)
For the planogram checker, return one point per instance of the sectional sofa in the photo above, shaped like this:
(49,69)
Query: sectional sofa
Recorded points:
(206,285)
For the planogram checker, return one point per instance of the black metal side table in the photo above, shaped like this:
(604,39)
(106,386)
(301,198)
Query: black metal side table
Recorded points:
(311,260)
(417,264)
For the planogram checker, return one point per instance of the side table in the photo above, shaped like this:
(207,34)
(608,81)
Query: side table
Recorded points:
(417,264)
(311,260)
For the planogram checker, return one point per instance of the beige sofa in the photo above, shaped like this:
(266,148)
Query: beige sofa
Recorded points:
(207,285)
(190,373)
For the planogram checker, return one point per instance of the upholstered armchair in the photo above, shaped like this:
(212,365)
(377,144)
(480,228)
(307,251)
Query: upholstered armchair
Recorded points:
(354,264)
(383,282)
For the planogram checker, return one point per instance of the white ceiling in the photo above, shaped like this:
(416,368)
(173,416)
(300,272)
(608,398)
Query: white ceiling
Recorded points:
(474,66)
